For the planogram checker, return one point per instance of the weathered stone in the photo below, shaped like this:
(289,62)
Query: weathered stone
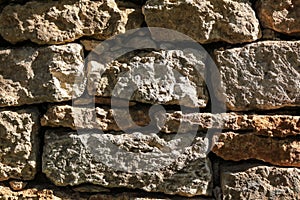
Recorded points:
(89,188)
(277,125)
(127,160)
(138,196)
(259,182)
(263,75)
(232,21)
(88,118)
(17,185)
(18,144)
(162,77)
(236,147)
(265,125)
(39,192)
(57,22)
(90,45)
(103,118)
(280,15)
(45,74)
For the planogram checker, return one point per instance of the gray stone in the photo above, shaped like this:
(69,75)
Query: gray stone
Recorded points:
(57,22)
(157,77)
(232,21)
(18,144)
(31,75)
(254,181)
(128,160)
(263,75)
(281,16)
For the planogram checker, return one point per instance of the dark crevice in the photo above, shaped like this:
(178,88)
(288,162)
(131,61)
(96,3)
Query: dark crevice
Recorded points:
(137,2)
(294,111)
(215,162)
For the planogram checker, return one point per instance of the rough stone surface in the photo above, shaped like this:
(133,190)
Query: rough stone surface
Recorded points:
(232,21)
(33,75)
(255,181)
(18,144)
(56,22)
(281,15)
(40,192)
(138,196)
(263,75)
(162,77)
(127,160)
(90,45)
(17,185)
(103,118)
(236,147)
(88,118)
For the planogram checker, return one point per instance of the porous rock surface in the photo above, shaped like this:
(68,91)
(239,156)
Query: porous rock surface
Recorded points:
(237,147)
(156,77)
(19,144)
(103,118)
(262,75)
(31,75)
(57,22)
(256,181)
(232,21)
(281,15)
(127,160)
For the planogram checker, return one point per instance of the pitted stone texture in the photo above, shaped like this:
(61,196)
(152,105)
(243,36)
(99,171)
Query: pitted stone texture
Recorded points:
(31,75)
(281,15)
(38,192)
(103,118)
(88,118)
(255,181)
(156,77)
(18,144)
(57,22)
(263,75)
(139,196)
(127,160)
(232,21)
(236,147)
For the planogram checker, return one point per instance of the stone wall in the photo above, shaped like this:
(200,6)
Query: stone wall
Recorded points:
(67,133)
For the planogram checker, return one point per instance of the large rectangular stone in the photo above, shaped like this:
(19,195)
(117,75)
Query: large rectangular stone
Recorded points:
(262,75)
(255,181)
(58,22)
(205,21)
(31,75)
(127,160)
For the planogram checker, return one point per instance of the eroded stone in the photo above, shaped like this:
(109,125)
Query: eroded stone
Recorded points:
(103,118)
(17,185)
(40,192)
(31,75)
(281,16)
(236,147)
(18,144)
(157,77)
(256,181)
(128,160)
(232,21)
(263,75)
(57,22)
